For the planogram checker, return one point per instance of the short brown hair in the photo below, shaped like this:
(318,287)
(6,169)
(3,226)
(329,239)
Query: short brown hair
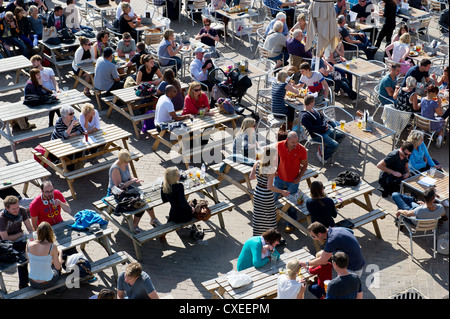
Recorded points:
(126,35)
(271,235)
(133,270)
(309,99)
(36,57)
(10,200)
(305,66)
(317,228)
(340,259)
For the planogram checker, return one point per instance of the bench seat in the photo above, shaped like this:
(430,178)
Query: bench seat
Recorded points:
(28,135)
(368,217)
(7,88)
(97,266)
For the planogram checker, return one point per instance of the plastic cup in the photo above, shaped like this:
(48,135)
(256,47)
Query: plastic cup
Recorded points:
(342,124)
(432,171)
(326,282)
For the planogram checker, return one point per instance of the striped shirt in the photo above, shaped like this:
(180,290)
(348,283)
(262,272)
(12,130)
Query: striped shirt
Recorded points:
(60,130)
(278,92)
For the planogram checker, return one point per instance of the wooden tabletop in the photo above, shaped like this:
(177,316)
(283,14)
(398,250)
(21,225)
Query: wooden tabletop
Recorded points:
(264,279)
(61,45)
(235,16)
(127,95)
(14,63)
(199,123)
(360,67)
(378,132)
(442,183)
(414,13)
(17,110)
(108,134)
(22,172)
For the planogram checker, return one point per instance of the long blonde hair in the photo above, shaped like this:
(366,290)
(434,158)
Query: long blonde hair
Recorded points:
(191,88)
(170,177)
(266,159)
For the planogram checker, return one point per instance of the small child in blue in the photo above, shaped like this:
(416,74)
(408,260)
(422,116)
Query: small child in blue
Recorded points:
(430,105)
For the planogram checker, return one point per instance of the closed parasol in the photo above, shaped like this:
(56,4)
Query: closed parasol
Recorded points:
(322,24)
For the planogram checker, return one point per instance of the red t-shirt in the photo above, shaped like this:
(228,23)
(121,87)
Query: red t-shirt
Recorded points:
(47,213)
(191,106)
(289,161)
(323,272)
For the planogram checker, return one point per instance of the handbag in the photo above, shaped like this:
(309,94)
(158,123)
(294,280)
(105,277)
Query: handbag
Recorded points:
(345,223)
(201,209)
(49,33)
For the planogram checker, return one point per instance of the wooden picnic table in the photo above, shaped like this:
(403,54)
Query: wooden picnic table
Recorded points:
(441,184)
(60,54)
(16,63)
(104,141)
(377,133)
(25,173)
(66,238)
(413,14)
(342,196)
(235,16)
(359,68)
(264,283)
(13,111)
(179,137)
(151,192)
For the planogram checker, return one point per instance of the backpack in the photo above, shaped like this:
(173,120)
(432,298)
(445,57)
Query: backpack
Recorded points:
(7,252)
(66,36)
(145,89)
(347,178)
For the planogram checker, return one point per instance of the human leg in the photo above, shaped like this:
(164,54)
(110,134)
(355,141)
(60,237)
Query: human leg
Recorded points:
(330,144)
(404,202)
(316,290)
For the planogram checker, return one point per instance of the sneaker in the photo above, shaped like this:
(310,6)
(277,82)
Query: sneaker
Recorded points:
(155,222)
(319,157)
(138,230)
(439,141)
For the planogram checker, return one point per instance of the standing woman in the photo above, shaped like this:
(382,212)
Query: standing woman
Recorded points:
(84,54)
(390,10)
(400,52)
(172,191)
(147,71)
(320,207)
(44,257)
(264,209)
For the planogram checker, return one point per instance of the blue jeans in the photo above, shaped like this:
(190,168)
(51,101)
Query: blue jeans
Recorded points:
(292,188)
(177,62)
(18,43)
(331,144)
(404,202)
(316,290)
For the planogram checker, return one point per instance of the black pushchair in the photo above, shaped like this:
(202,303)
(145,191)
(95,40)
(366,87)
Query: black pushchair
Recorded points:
(233,85)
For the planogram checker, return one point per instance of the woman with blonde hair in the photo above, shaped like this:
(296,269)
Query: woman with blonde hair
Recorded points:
(420,160)
(167,50)
(44,257)
(195,100)
(89,118)
(120,176)
(264,209)
(287,285)
(400,52)
(172,191)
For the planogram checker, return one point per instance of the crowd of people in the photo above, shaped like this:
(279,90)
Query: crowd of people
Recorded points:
(277,171)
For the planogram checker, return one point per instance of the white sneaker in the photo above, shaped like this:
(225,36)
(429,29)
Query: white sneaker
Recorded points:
(319,157)
(439,141)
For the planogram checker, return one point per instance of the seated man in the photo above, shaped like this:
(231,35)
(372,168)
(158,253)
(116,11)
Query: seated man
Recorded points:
(315,82)
(106,77)
(361,8)
(281,16)
(134,283)
(126,45)
(419,72)
(165,110)
(315,123)
(394,168)
(340,7)
(359,39)
(278,4)
(419,210)
(276,43)
(296,49)
(199,68)
(388,85)
(10,35)
(57,19)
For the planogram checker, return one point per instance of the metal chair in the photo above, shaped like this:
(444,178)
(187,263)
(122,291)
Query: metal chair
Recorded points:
(269,119)
(376,99)
(311,141)
(216,23)
(335,113)
(420,28)
(424,124)
(375,77)
(195,7)
(396,120)
(157,5)
(423,225)
(350,50)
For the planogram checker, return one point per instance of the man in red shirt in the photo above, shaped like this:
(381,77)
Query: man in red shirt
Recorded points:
(47,206)
(292,164)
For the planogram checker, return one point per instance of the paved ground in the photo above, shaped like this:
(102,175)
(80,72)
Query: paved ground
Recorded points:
(178,267)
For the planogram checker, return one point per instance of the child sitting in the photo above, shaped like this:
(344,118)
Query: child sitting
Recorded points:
(323,272)
(288,286)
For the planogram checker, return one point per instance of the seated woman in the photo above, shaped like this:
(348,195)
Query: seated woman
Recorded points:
(89,118)
(34,89)
(443,80)
(172,191)
(24,26)
(36,21)
(84,54)
(169,79)
(45,258)
(276,43)
(167,48)
(102,43)
(279,90)
(126,23)
(120,176)
(301,24)
(196,100)
(429,105)
(400,52)
(67,125)
(407,97)
(257,250)
(320,207)
(420,160)
(338,56)
(147,71)
(208,35)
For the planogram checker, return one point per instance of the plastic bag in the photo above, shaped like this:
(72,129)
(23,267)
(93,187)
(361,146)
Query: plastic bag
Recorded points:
(442,244)
(237,279)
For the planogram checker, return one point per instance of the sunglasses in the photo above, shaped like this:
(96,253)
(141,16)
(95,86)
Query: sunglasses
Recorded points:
(207,25)
(196,90)
(71,114)
(127,41)
(88,43)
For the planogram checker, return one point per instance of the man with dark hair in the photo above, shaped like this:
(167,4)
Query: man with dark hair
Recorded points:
(57,19)
(394,168)
(346,285)
(419,72)
(388,84)
(165,110)
(357,38)
(336,239)
(106,77)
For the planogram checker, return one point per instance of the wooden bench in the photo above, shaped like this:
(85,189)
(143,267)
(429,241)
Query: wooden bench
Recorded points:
(188,153)
(110,261)
(141,238)
(245,170)
(214,289)
(97,92)
(16,86)
(135,119)
(371,216)
(78,173)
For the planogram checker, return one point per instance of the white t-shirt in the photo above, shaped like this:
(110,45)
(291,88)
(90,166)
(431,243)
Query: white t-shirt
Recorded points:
(314,83)
(399,50)
(95,123)
(46,75)
(163,109)
(287,288)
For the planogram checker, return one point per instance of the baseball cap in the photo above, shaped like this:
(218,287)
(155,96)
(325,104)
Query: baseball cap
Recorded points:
(199,50)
